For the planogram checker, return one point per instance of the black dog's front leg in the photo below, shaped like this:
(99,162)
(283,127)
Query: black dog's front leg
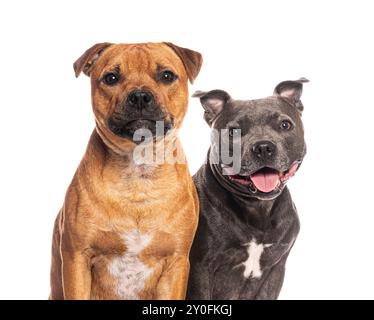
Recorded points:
(281,236)
(279,240)
(272,283)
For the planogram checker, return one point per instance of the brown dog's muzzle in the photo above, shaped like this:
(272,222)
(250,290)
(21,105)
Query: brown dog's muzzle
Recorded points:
(140,111)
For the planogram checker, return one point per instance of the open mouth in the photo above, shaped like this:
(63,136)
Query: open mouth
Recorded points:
(266,179)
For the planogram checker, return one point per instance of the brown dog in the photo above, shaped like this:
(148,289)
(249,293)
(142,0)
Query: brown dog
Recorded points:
(125,230)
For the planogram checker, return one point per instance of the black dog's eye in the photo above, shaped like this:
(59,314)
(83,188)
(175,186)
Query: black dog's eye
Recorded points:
(167,76)
(111,79)
(234,132)
(286,125)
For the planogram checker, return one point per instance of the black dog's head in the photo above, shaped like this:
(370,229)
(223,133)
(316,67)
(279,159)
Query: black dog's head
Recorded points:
(268,133)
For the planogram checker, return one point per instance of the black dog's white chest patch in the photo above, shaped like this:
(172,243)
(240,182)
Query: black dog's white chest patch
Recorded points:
(252,267)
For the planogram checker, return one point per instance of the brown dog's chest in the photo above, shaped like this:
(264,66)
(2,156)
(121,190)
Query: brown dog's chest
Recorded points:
(127,263)
(141,187)
(146,243)
(135,239)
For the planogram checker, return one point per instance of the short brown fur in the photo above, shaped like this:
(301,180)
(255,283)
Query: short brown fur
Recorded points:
(110,195)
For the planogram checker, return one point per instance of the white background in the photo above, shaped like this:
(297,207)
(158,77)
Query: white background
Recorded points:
(248,47)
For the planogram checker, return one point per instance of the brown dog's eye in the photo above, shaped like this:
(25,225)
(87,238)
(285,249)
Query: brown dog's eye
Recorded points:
(286,125)
(167,76)
(111,79)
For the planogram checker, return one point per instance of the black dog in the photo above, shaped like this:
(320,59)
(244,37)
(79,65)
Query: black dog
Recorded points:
(248,222)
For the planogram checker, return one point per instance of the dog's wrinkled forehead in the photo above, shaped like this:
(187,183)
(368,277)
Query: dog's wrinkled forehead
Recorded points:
(219,107)
(139,57)
(248,113)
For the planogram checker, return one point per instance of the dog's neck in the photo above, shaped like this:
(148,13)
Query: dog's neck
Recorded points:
(116,177)
(250,211)
(125,159)
(248,206)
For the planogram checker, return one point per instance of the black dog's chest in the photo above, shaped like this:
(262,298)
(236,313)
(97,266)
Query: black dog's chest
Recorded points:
(243,253)
(252,254)
(236,272)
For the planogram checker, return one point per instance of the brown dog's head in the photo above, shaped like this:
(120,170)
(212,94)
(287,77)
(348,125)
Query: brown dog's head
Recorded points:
(135,85)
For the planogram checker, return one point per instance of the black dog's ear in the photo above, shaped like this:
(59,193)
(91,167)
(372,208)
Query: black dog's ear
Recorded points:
(212,102)
(192,60)
(87,59)
(291,90)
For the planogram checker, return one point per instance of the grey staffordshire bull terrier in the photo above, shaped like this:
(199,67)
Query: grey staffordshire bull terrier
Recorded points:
(248,222)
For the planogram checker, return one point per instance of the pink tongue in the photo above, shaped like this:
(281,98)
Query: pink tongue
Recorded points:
(265,182)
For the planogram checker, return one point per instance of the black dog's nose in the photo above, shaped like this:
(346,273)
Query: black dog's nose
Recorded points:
(140,99)
(264,149)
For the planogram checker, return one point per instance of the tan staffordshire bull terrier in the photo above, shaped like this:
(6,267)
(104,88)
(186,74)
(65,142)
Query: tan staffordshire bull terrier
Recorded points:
(125,229)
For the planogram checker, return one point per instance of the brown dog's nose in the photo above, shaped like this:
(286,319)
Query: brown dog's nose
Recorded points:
(264,149)
(140,99)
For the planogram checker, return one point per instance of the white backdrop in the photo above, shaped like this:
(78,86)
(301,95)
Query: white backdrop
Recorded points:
(248,47)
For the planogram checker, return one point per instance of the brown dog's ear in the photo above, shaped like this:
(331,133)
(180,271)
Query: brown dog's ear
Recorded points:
(291,90)
(212,102)
(192,60)
(87,60)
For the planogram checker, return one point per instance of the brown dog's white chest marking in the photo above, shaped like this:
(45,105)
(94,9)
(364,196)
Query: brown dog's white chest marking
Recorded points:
(128,269)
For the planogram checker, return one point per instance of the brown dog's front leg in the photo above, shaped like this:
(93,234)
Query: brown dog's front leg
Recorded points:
(76,276)
(173,282)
